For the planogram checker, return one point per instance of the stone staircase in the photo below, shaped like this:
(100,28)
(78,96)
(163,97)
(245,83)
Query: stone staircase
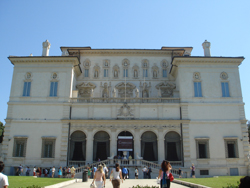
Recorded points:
(130,165)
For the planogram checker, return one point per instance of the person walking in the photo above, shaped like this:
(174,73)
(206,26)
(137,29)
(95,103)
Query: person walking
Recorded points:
(45,172)
(20,170)
(125,173)
(136,173)
(116,176)
(34,171)
(164,174)
(106,171)
(99,177)
(180,172)
(193,170)
(60,172)
(38,172)
(4,183)
(89,172)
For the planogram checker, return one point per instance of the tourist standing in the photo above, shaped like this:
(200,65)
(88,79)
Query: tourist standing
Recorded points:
(180,172)
(50,172)
(60,172)
(45,172)
(117,176)
(38,172)
(68,172)
(53,172)
(64,172)
(3,178)
(164,174)
(94,170)
(99,177)
(136,173)
(34,171)
(193,170)
(20,170)
(89,172)
(149,172)
(144,170)
(27,171)
(72,170)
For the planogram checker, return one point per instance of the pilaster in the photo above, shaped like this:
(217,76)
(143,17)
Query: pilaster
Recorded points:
(161,148)
(89,146)
(186,145)
(64,144)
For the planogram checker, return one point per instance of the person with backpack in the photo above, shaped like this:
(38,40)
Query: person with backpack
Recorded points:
(125,173)
(149,172)
(68,172)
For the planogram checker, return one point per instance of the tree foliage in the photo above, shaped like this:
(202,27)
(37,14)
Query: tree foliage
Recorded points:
(1,131)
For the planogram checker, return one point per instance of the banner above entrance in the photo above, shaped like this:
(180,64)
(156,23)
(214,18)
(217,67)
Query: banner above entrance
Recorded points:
(125,143)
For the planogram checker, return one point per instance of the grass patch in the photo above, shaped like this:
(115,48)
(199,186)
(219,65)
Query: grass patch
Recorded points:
(219,182)
(24,181)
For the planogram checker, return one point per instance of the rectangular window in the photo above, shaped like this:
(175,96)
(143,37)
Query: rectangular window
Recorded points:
(53,89)
(48,148)
(145,72)
(105,72)
(19,147)
(202,148)
(86,73)
(125,72)
(204,172)
(231,148)
(26,89)
(164,73)
(225,89)
(197,89)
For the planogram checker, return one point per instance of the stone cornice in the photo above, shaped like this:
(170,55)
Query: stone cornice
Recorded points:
(44,59)
(125,52)
(124,122)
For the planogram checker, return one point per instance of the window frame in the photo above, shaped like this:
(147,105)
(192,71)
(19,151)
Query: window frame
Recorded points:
(48,139)
(226,92)
(22,139)
(163,75)
(199,90)
(86,72)
(202,140)
(236,150)
(27,88)
(105,73)
(125,72)
(55,91)
(145,71)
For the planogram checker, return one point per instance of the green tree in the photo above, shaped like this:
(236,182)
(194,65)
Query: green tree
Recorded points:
(1,131)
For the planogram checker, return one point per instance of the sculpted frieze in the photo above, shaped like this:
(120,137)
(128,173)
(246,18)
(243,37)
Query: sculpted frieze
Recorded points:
(166,89)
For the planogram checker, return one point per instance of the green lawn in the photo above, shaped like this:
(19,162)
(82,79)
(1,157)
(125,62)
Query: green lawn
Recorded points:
(24,181)
(219,182)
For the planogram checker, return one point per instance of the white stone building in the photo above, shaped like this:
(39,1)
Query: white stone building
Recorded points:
(165,102)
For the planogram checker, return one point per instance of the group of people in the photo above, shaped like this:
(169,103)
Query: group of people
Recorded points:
(147,172)
(65,172)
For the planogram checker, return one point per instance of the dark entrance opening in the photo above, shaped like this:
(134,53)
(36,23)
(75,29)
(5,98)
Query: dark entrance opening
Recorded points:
(171,150)
(120,153)
(78,154)
(149,152)
(101,152)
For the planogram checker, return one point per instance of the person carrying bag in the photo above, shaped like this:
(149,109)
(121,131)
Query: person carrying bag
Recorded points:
(116,176)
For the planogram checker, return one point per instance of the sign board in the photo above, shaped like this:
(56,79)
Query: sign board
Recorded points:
(125,143)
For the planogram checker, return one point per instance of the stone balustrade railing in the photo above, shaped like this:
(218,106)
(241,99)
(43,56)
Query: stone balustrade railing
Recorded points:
(128,163)
(121,100)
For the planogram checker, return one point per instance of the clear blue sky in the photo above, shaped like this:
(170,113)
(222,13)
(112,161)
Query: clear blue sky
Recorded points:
(145,24)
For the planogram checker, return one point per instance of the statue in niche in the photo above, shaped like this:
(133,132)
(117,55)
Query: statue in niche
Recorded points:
(144,94)
(137,93)
(145,64)
(135,73)
(155,74)
(96,74)
(164,64)
(105,93)
(196,76)
(159,92)
(92,93)
(116,74)
(106,63)
(114,93)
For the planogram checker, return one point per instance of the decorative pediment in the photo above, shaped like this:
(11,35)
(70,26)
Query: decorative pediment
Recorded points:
(129,89)
(86,89)
(166,89)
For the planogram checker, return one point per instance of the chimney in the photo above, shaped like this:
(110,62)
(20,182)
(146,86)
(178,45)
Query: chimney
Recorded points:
(206,47)
(46,47)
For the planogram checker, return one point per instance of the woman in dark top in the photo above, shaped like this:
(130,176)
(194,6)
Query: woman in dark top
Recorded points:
(164,174)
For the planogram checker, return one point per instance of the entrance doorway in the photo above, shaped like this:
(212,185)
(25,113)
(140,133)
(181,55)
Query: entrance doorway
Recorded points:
(77,146)
(172,146)
(101,145)
(149,147)
(130,150)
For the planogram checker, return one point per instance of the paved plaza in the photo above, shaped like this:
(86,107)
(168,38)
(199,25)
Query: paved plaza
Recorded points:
(126,184)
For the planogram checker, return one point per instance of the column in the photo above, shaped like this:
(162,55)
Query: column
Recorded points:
(161,146)
(113,143)
(89,146)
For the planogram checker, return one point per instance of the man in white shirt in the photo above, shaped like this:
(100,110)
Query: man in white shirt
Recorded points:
(3,178)
(144,170)
(53,171)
